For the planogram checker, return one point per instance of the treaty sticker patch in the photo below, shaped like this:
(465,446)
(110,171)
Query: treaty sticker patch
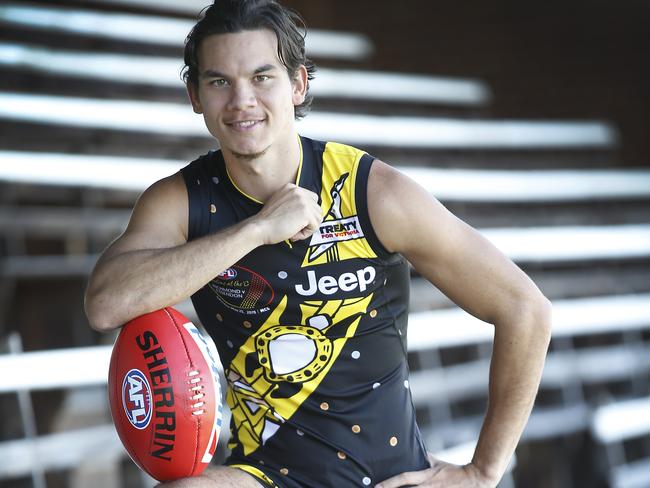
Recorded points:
(338,230)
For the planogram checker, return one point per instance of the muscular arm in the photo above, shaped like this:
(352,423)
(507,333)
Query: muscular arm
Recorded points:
(480,279)
(151,265)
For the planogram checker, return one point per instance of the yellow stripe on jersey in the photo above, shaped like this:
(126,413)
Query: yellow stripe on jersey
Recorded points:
(253,471)
(257,415)
(339,206)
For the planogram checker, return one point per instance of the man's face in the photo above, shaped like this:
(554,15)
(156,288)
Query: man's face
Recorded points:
(244,92)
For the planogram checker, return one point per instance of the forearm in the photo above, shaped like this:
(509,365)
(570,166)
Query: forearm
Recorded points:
(130,284)
(520,345)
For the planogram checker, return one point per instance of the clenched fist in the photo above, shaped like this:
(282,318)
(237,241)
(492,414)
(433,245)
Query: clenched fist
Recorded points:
(291,213)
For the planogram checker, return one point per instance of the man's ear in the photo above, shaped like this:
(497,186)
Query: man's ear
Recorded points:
(300,85)
(193,93)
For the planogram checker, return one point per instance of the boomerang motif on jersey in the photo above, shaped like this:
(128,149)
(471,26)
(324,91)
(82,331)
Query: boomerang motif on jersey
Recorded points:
(335,227)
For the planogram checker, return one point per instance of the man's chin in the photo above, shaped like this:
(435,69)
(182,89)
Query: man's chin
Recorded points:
(248,156)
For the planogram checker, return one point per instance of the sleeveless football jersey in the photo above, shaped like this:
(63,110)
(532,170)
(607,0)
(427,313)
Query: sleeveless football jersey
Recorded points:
(312,334)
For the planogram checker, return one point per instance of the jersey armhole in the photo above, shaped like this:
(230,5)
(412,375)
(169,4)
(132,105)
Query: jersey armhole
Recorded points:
(361,197)
(197,200)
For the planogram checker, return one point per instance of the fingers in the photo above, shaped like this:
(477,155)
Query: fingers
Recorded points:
(300,236)
(405,479)
(310,228)
(433,461)
(291,213)
(313,213)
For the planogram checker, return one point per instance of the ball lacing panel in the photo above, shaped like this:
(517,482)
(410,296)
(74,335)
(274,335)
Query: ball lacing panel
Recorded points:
(197,394)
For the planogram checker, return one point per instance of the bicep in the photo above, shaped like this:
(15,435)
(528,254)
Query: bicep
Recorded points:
(453,256)
(158,221)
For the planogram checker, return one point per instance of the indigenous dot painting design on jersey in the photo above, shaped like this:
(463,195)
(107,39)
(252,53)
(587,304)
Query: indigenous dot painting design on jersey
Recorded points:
(311,334)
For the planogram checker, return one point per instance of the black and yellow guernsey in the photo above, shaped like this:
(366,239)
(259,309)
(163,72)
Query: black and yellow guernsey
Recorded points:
(312,334)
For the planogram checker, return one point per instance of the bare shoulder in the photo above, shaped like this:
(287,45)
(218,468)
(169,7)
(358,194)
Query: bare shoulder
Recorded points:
(167,196)
(158,220)
(448,252)
(399,208)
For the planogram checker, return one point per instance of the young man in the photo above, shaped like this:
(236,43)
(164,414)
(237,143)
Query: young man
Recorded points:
(293,252)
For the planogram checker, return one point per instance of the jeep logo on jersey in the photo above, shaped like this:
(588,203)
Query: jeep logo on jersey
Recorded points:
(136,398)
(228,274)
(328,285)
(242,290)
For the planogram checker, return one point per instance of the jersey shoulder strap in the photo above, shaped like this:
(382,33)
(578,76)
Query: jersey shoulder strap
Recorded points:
(198,175)
(344,194)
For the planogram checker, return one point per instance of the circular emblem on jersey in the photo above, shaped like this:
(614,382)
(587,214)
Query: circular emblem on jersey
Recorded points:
(228,274)
(293,353)
(242,289)
(136,399)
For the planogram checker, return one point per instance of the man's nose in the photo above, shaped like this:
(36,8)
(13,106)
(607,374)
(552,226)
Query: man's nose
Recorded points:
(242,97)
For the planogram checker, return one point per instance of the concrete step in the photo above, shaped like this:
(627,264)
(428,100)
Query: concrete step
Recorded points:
(440,329)
(158,30)
(571,282)
(469,187)
(17,135)
(526,214)
(56,219)
(577,279)
(416,132)
(571,318)
(163,72)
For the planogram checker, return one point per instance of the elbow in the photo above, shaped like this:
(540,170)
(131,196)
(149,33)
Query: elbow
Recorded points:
(540,314)
(100,315)
(528,317)
(545,313)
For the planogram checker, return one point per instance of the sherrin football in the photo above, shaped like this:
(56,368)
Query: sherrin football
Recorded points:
(164,394)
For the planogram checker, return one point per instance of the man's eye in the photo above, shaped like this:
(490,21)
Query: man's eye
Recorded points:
(262,77)
(220,82)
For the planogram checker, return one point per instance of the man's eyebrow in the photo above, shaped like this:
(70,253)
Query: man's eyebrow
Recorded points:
(212,73)
(262,69)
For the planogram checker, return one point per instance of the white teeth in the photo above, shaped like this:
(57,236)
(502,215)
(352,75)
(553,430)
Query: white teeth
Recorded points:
(246,123)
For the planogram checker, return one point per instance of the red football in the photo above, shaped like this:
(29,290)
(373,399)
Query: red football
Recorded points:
(164,394)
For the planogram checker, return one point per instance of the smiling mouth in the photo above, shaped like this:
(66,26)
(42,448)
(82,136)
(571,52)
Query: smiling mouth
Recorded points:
(245,124)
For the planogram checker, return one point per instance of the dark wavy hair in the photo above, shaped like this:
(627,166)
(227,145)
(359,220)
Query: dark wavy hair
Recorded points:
(231,16)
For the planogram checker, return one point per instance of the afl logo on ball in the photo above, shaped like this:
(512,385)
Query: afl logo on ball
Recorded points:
(136,399)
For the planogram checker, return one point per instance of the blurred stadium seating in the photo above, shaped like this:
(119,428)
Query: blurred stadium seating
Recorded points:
(92,110)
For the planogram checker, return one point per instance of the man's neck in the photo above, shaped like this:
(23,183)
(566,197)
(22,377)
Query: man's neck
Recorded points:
(261,176)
